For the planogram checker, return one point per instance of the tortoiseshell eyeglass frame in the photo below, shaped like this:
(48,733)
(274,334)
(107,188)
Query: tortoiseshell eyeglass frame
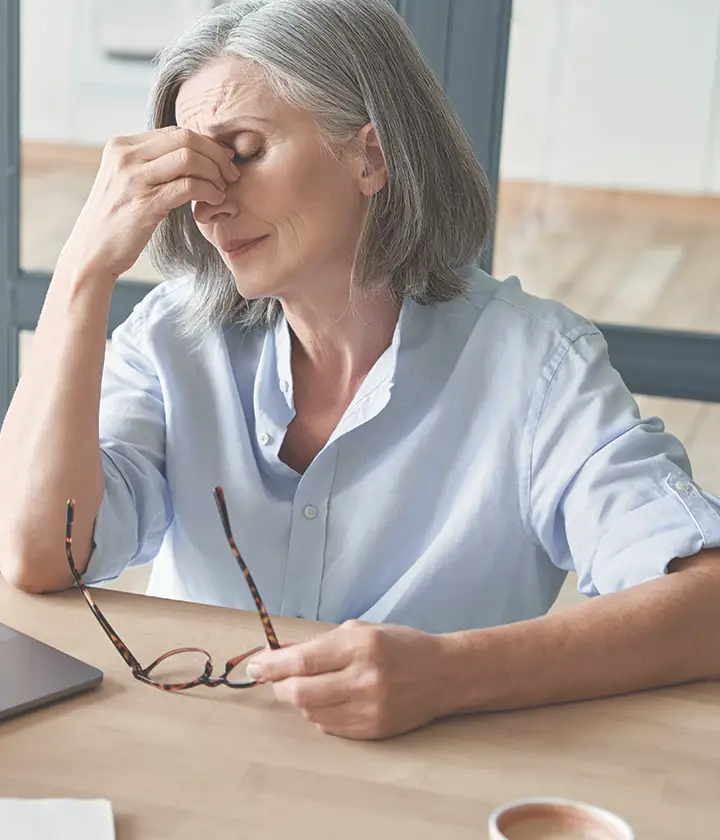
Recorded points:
(143,674)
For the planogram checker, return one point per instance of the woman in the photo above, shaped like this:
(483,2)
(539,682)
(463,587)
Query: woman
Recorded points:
(401,438)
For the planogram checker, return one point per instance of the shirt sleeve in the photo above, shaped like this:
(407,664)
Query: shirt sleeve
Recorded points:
(135,510)
(611,494)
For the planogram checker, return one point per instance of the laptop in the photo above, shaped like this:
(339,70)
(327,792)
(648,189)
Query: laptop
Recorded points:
(34,674)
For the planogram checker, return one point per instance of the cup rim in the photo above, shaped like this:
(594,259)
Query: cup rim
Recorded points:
(613,820)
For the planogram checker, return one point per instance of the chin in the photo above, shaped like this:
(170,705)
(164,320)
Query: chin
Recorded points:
(252,288)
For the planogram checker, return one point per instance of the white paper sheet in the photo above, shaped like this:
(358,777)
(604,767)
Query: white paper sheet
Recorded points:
(56,819)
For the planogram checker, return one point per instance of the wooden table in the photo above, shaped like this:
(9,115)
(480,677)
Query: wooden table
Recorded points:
(213,762)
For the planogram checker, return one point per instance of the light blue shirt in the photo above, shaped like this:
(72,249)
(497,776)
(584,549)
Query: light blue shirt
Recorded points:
(491,448)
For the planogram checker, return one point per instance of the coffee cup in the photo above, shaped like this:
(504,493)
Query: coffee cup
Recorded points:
(556,819)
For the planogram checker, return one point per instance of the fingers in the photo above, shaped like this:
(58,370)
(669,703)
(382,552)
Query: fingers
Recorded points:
(182,190)
(351,719)
(310,694)
(160,156)
(346,721)
(156,144)
(359,684)
(336,703)
(187,163)
(321,655)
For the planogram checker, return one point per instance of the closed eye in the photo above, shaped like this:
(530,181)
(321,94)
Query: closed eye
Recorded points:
(240,159)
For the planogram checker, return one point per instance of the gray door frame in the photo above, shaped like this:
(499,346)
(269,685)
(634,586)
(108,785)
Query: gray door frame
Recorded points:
(466,42)
(9,196)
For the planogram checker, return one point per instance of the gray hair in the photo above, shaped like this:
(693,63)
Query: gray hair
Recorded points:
(345,63)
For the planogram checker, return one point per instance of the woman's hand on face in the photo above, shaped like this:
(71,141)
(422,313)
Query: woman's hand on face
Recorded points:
(359,680)
(140,179)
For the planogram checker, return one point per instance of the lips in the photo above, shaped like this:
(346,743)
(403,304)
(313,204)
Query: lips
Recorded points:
(235,244)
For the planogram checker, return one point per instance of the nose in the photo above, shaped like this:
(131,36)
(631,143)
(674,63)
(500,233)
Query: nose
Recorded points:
(205,213)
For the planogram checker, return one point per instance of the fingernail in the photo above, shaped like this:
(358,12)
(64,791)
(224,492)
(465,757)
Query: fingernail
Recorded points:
(253,670)
(235,171)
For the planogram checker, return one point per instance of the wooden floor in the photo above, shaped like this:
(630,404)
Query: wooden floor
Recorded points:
(644,260)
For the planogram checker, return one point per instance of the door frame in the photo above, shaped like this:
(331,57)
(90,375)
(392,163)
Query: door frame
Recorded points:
(466,42)
(9,196)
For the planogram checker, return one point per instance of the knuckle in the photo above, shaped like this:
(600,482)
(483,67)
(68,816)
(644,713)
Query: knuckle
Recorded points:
(305,662)
(185,156)
(296,694)
(374,684)
(117,150)
(116,144)
(370,642)
(183,135)
(371,680)
(186,185)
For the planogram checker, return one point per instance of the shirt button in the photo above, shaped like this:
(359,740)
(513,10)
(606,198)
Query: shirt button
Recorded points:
(284,386)
(310,511)
(264,438)
(682,486)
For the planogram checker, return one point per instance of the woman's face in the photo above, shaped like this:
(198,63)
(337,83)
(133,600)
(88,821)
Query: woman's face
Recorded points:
(307,205)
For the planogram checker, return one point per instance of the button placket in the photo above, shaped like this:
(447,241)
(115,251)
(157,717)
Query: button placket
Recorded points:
(306,549)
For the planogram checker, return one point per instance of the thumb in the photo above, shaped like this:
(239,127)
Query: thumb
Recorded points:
(319,655)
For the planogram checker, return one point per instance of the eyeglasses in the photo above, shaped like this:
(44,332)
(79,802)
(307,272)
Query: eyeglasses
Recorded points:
(181,661)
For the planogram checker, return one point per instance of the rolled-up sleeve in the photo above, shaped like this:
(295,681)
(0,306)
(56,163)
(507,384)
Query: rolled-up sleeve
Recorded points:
(611,494)
(135,509)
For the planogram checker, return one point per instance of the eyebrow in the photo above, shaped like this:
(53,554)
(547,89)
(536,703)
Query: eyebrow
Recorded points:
(219,129)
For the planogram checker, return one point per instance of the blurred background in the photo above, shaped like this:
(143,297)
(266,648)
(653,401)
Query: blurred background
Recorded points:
(609,170)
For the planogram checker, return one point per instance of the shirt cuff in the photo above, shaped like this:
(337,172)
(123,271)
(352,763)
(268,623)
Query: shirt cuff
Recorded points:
(682,522)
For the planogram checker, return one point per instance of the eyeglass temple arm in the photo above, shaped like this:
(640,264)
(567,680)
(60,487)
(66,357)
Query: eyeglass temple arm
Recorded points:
(267,624)
(120,646)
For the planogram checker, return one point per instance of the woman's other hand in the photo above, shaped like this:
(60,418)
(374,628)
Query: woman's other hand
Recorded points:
(362,681)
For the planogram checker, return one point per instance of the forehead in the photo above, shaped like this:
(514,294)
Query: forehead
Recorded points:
(220,91)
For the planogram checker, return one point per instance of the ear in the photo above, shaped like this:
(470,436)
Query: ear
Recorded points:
(370,178)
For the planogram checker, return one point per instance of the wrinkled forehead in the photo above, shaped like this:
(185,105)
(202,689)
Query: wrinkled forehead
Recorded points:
(222,91)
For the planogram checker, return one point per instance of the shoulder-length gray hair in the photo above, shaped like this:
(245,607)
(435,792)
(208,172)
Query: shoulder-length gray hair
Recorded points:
(345,63)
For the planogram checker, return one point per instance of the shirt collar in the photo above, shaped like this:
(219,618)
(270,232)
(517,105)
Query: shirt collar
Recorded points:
(283,358)
(381,376)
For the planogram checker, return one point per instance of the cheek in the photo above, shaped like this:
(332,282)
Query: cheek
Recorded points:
(301,190)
